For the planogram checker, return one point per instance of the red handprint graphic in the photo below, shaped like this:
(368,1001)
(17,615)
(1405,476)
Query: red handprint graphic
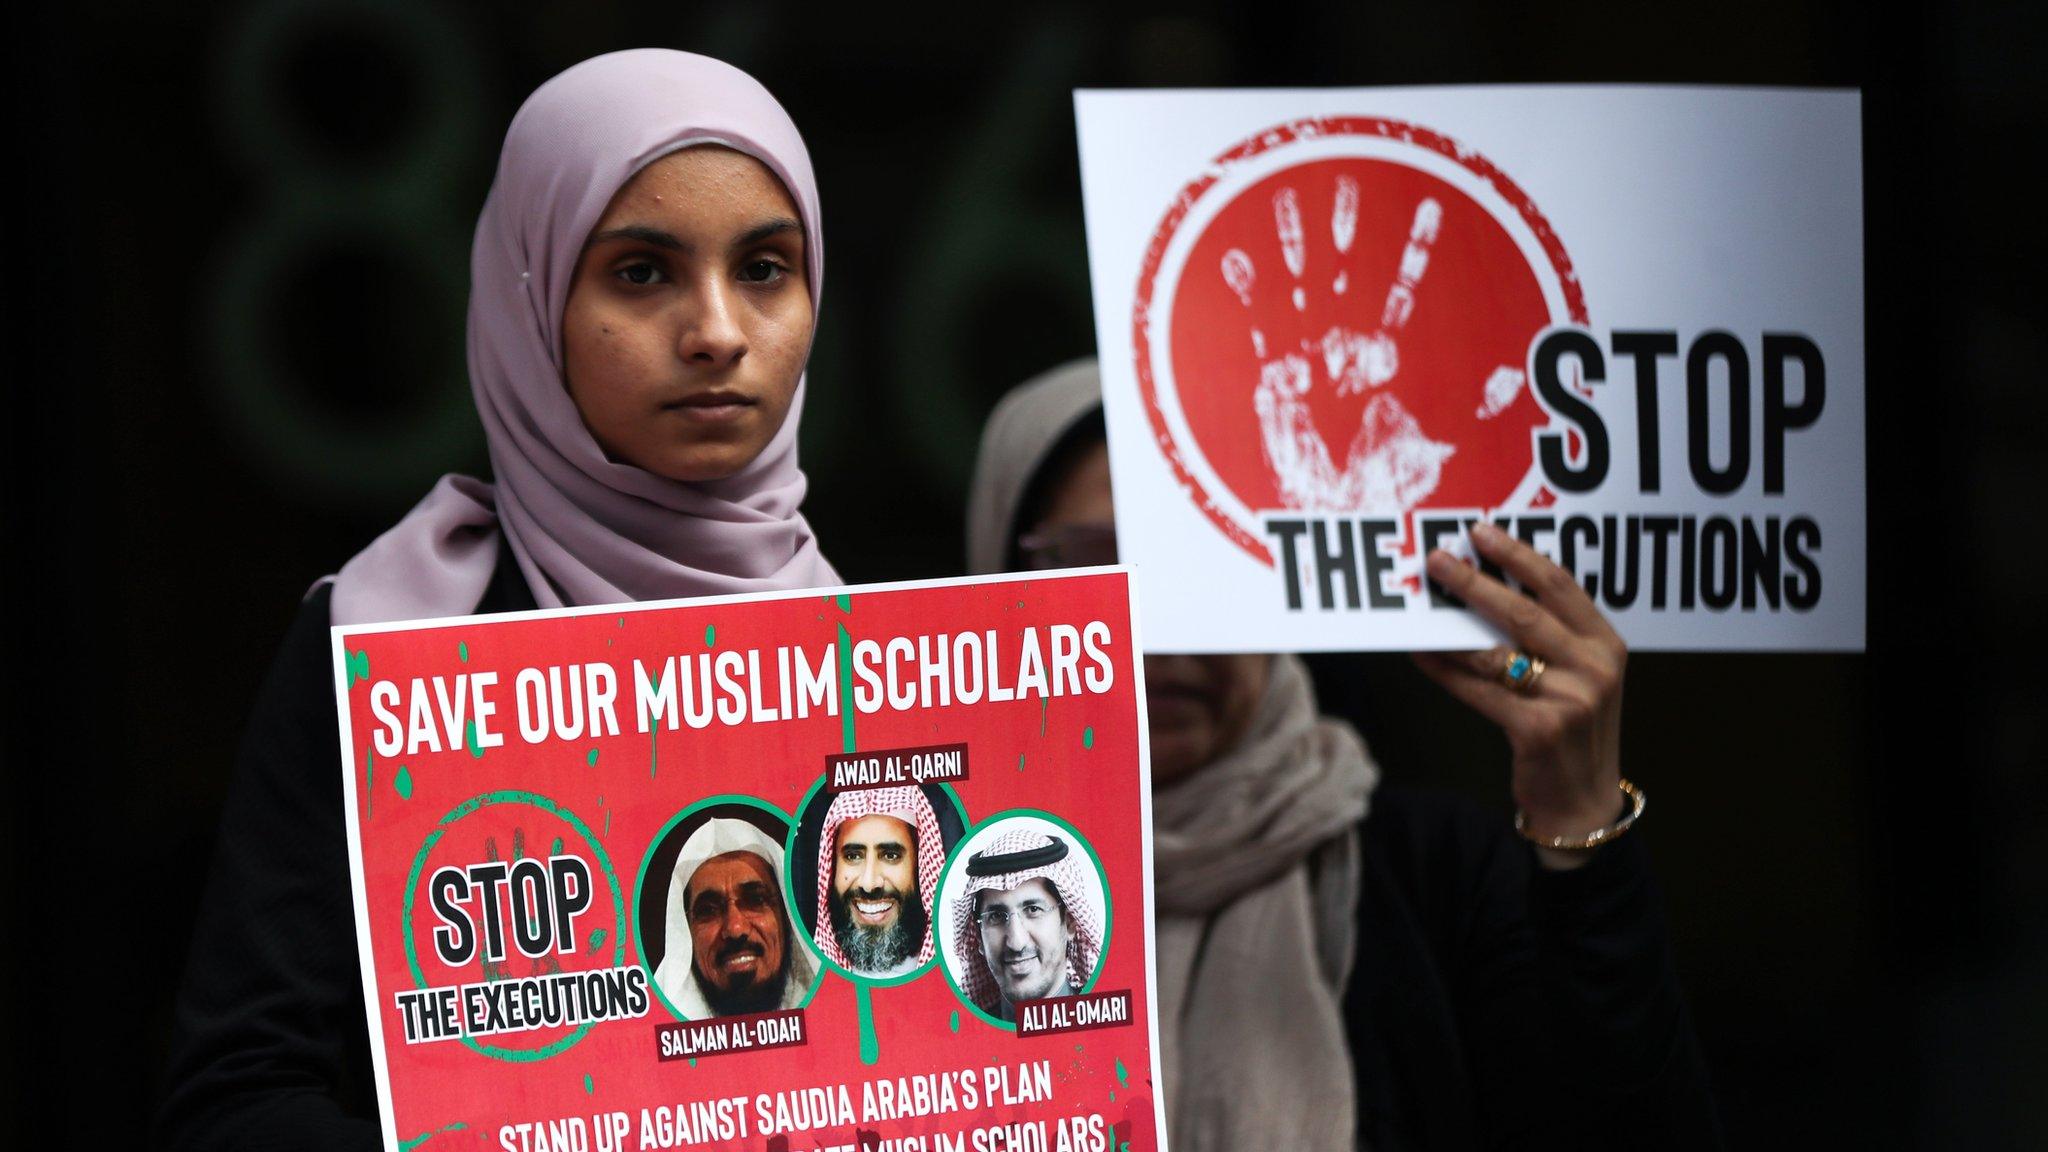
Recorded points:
(1418,384)
(1391,465)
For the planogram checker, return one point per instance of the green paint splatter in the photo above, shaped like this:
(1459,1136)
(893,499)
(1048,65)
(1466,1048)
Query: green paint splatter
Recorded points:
(402,783)
(592,758)
(1123,1075)
(476,751)
(711,635)
(1088,737)
(653,743)
(369,782)
(1042,706)
(589,1085)
(462,652)
(693,1061)
(556,849)
(597,937)
(622,621)
(956,1020)
(422,1138)
(846,708)
(358,665)
(1020,761)
(607,818)
(1112,1095)
(846,602)
(870,1044)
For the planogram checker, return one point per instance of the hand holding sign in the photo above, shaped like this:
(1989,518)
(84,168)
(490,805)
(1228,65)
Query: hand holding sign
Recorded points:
(1565,730)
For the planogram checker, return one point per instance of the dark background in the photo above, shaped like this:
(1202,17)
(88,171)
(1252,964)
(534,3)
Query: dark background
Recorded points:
(238,261)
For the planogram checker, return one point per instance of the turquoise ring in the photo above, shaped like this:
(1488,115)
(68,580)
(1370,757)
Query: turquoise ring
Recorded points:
(1522,671)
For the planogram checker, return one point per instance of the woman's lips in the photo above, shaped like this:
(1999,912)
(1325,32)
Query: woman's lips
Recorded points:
(711,407)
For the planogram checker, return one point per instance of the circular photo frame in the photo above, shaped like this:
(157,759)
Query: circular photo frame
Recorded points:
(877,843)
(1024,913)
(704,945)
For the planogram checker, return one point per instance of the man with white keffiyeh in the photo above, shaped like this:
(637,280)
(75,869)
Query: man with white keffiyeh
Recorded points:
(879,855)
(1027,925)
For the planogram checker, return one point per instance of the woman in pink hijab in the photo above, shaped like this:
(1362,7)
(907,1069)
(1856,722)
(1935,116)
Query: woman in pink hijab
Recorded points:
(644,290)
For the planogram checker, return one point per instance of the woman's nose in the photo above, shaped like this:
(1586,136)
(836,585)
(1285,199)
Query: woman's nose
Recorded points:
(711,334)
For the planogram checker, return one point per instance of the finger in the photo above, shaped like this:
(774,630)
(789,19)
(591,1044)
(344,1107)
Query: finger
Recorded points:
(1527,623)
(1554,587)
(1536,719)
(1553,685)
(1481,693)
(1414,262)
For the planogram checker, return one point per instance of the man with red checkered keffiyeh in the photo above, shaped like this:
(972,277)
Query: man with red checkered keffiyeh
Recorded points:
(1028,925)
(878,847)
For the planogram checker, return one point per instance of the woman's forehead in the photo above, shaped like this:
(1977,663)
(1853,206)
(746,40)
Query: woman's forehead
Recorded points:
(708,181)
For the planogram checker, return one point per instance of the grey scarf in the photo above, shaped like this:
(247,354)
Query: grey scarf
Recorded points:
(1255,863)
(1256,869)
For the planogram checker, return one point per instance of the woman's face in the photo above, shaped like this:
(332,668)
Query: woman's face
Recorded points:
(1198,706)
(689,318)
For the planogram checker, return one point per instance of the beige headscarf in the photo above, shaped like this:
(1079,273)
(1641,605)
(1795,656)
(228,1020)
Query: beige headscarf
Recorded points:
(1255,860)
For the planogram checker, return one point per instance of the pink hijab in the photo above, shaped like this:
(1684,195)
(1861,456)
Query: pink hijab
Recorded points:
(586,529)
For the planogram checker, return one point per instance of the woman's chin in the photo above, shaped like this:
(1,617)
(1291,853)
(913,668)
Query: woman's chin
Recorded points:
(701,463)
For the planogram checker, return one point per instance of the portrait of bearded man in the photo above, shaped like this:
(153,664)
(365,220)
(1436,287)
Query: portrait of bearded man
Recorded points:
(880,851)
(728,947)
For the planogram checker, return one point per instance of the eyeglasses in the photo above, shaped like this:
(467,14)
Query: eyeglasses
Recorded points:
(998,917)
(754,899)
(1069,546)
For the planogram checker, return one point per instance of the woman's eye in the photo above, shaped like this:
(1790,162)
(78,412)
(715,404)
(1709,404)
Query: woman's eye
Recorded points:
(641,274)
(760,271)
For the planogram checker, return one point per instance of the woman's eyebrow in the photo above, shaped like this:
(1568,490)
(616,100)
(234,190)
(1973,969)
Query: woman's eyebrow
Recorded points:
(765,229)
(647,234)
(640,232)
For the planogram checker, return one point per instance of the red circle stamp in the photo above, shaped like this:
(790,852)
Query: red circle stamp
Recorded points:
(1334,318)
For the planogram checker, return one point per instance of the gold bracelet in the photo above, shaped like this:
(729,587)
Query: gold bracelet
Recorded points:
(1598,836)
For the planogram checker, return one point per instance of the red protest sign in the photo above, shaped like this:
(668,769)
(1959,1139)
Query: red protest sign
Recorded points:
(781,871)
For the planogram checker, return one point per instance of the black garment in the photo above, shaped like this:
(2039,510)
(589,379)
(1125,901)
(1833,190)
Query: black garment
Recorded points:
(1480,980)
(1496,1004)
(272,1049)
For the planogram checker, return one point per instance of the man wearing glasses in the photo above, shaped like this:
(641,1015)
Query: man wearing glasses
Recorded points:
(1027,928)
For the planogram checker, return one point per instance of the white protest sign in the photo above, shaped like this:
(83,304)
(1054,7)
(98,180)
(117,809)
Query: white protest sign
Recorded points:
(1624,323)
